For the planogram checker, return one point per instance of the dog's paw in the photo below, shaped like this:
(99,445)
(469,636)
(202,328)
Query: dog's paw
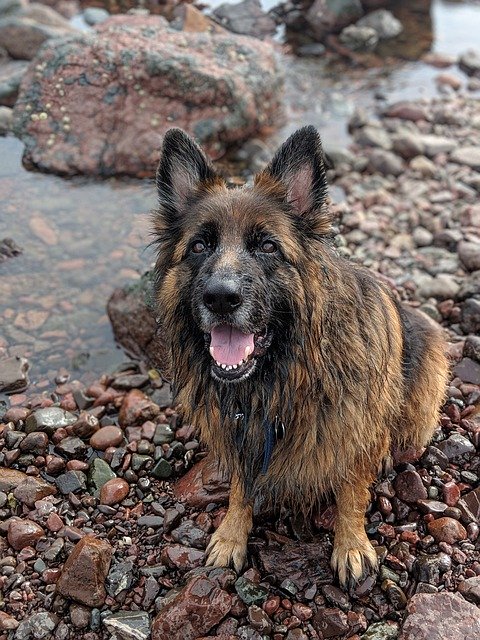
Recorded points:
(353,563)
(223,550)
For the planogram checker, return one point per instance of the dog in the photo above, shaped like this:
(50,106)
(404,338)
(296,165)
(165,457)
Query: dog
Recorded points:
(301,369)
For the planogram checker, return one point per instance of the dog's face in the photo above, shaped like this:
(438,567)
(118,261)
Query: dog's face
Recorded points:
(232,261)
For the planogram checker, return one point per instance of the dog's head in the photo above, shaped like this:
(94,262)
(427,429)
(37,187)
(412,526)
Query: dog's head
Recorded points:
(232,263)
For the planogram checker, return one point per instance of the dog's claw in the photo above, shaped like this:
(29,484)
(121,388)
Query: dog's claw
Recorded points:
(223,551)
(354,564)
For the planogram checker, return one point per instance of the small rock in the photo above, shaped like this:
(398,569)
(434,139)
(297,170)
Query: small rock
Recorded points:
(84,572)
(13,374)
(33,489)
(198,607)
(177,556)
(447,530)
(246,17)
(373,137)
(120,578)
(381,631)
(433,145)
(10,478)
(425,166)
(385,162)
(114,491)
(202,484)
(455,446)
(330,623)
(7,622)
(137,408)
(6,125)
(162,469)
(383,22)
(409,487)
(407,111)
(39,625)
(49,420)
(99,473)
(470,589)
(250,592)
(128,625)
(72,447)
(469,62)
(22,37)
(190,535)
(110,436)
(470,320)
(23,533)
(71,482)
(80,616)
(359,38)
(95,15)
(469,253)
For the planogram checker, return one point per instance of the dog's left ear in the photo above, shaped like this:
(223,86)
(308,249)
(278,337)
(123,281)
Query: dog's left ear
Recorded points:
(182,169)
(299,166)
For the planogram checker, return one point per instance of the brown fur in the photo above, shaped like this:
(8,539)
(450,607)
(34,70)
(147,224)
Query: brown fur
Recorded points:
(365,376)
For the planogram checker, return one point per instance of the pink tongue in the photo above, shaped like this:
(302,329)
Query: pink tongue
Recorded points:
(228,344)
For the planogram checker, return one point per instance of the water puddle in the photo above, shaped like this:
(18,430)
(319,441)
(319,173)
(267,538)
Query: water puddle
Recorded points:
(82,238)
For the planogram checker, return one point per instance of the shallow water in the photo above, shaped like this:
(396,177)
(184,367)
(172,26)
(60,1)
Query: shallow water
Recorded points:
(82,238)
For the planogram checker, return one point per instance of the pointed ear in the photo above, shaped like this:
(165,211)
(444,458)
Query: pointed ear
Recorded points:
(182,169)
(299,166)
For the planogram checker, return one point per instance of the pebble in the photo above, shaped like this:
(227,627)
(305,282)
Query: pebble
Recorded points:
(128,625)
(71,482)
(48,420)
(249,592)
(23,533)
(110,436)
(99,473)
(409,487)
(32,489)
(114,491)
(447,530)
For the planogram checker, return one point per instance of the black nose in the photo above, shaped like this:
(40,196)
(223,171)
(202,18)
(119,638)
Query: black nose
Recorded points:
(222,296)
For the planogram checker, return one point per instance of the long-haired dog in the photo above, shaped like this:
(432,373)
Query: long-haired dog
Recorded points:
(301,369)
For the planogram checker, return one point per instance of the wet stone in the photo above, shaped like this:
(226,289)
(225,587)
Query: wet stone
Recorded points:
(330,623)
(137,408)
(198,607)
(86,425)
(83,574)
(430,568)
(336,597)
(39,625)
(7,622)
(189,535)
(120,577)
(409,487)
(164,434)
(250,592)
(71,482)
(447,530)
(35,442)
(32,489)
(13,374)
(431,506)
(259,619)
(99,473)
(128,625)
(381,631)
(10,478)
(154,522)
(470,589)
(23,533)
(455,446)
(49,420)
(80,616)
(162,469)
(114,491)
(181,557)
(72,447)
(110,436)
(140,461)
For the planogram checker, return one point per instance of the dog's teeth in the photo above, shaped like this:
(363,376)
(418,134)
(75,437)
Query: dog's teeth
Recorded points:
(234,366)
(224,366)
(248,351)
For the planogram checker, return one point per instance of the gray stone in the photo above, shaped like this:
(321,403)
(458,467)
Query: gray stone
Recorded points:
(72,447)
(469,254)
(120,578)
(250,592)
(469,156)
(471,348)
(422,237)
(383,22)
(6,120)
(22,37)
(164,434)
(95,15)
(456,445)
(381,631)
(49,419)
(407,145)
(468,370)
(373,137)
(470,317)
(99,472)
(359,38)
(385,162)
(13,374)
(162,469)
(442,286)
(129,625)
(469,62)
(71,482)
(434,145)
(331,16)
(39,625)
(246,17)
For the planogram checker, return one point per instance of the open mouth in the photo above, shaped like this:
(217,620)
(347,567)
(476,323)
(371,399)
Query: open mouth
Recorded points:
(235,353)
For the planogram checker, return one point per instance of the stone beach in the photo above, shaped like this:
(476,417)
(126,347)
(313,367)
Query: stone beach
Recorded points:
(107,498)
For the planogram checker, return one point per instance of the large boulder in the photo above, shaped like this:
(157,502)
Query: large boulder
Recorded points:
(99,103)
(131,313)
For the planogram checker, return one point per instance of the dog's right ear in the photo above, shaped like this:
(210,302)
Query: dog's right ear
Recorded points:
(182,169)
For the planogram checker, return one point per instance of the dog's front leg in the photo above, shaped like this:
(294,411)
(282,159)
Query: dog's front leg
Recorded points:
(353,555)
(228,545)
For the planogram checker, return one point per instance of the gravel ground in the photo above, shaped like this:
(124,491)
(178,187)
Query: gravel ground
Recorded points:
(107,500)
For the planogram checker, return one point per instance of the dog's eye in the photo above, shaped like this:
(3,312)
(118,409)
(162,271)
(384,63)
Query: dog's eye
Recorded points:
(268,247)
(199,247)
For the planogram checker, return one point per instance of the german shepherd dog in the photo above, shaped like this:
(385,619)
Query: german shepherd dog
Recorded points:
(301,369)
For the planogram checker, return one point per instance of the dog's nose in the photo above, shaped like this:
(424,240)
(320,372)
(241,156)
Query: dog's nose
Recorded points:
(222,296)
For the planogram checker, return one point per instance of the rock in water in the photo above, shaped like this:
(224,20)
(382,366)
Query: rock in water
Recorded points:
(83,574)
(331,16)
(437,616)
(13,374)
(246,17)
(113,93)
